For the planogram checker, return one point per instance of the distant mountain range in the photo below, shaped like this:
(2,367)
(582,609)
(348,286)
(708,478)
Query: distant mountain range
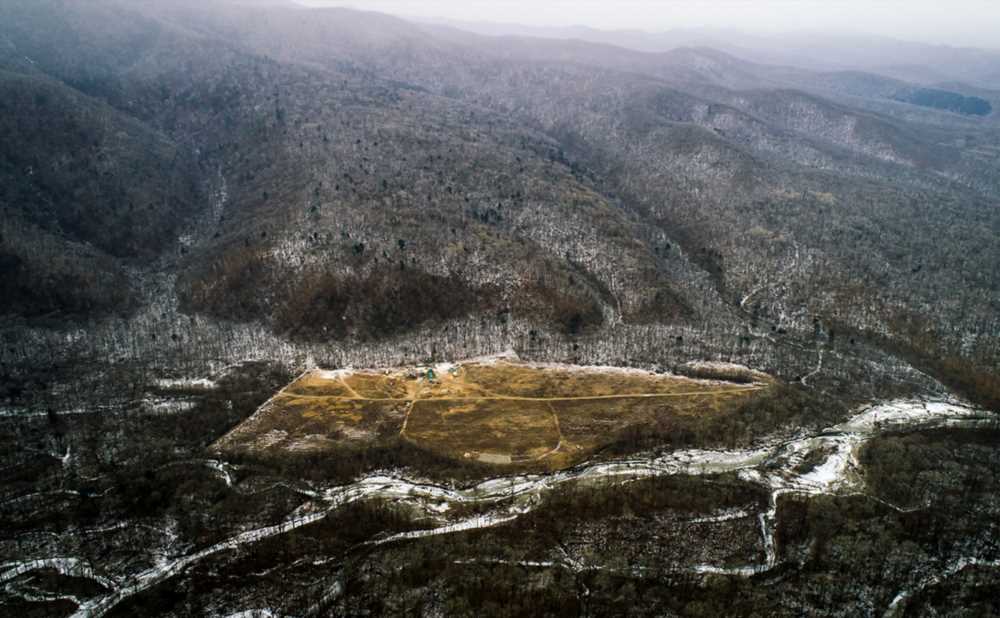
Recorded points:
(921,63)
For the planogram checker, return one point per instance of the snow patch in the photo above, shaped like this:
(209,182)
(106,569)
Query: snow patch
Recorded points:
(332,374)
(164,405)
(197,383)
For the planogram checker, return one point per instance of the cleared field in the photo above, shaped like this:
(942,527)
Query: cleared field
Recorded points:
(553,382)
(316,423)
(377,386)
(321,383)
(503,413)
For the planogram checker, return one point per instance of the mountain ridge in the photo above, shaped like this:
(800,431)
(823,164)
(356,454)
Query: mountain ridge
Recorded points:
(453,162)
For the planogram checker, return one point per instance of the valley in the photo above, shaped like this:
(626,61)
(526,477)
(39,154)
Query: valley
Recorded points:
(762,482)
(326,312)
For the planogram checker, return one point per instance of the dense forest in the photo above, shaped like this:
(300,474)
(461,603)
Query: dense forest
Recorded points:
(948,101)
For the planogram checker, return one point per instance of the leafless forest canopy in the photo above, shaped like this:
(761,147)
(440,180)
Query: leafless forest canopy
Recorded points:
(201,200)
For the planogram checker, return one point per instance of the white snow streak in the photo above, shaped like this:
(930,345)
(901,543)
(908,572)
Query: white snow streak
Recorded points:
(821,464)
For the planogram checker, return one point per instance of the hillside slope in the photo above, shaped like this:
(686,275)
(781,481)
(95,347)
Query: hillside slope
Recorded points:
(332,175)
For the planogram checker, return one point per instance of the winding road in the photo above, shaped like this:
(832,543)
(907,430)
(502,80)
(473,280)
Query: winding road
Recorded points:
(774,466)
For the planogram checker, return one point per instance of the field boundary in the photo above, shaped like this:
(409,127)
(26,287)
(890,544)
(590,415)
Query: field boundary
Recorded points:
(520,398)
(505,430)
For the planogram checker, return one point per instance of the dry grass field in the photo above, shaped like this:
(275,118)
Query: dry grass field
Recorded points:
(495,412)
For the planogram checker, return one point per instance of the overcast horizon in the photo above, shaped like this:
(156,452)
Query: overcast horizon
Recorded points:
(961,23)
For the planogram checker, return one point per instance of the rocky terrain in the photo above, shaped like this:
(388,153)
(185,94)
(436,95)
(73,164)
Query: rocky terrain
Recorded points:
(200,201)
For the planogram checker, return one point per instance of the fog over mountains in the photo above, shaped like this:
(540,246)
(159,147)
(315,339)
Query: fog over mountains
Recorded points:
(923,63)
(201,200)
(330,150)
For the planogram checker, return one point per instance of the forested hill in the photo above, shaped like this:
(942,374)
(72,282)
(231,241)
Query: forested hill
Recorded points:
(949,101)
(335,177)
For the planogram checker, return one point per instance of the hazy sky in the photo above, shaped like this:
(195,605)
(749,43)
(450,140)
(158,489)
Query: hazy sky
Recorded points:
(955,22)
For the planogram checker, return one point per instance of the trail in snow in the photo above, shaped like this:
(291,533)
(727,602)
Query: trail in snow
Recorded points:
(781,467)
(898,604)
(188,383)
(253,613)
(472,523)
(723,515)
(150,577)
(819,367)
(70,567)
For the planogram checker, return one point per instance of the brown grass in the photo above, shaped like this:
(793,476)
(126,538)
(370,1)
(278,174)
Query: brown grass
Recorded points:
(502,413)
(293,423)
(379,386)
(313,384)
(526,381)
(518,430)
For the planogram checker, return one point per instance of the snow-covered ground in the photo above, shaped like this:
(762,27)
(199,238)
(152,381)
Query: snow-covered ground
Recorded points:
(825,463)
(511,357)
(195,383)
(898,604)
